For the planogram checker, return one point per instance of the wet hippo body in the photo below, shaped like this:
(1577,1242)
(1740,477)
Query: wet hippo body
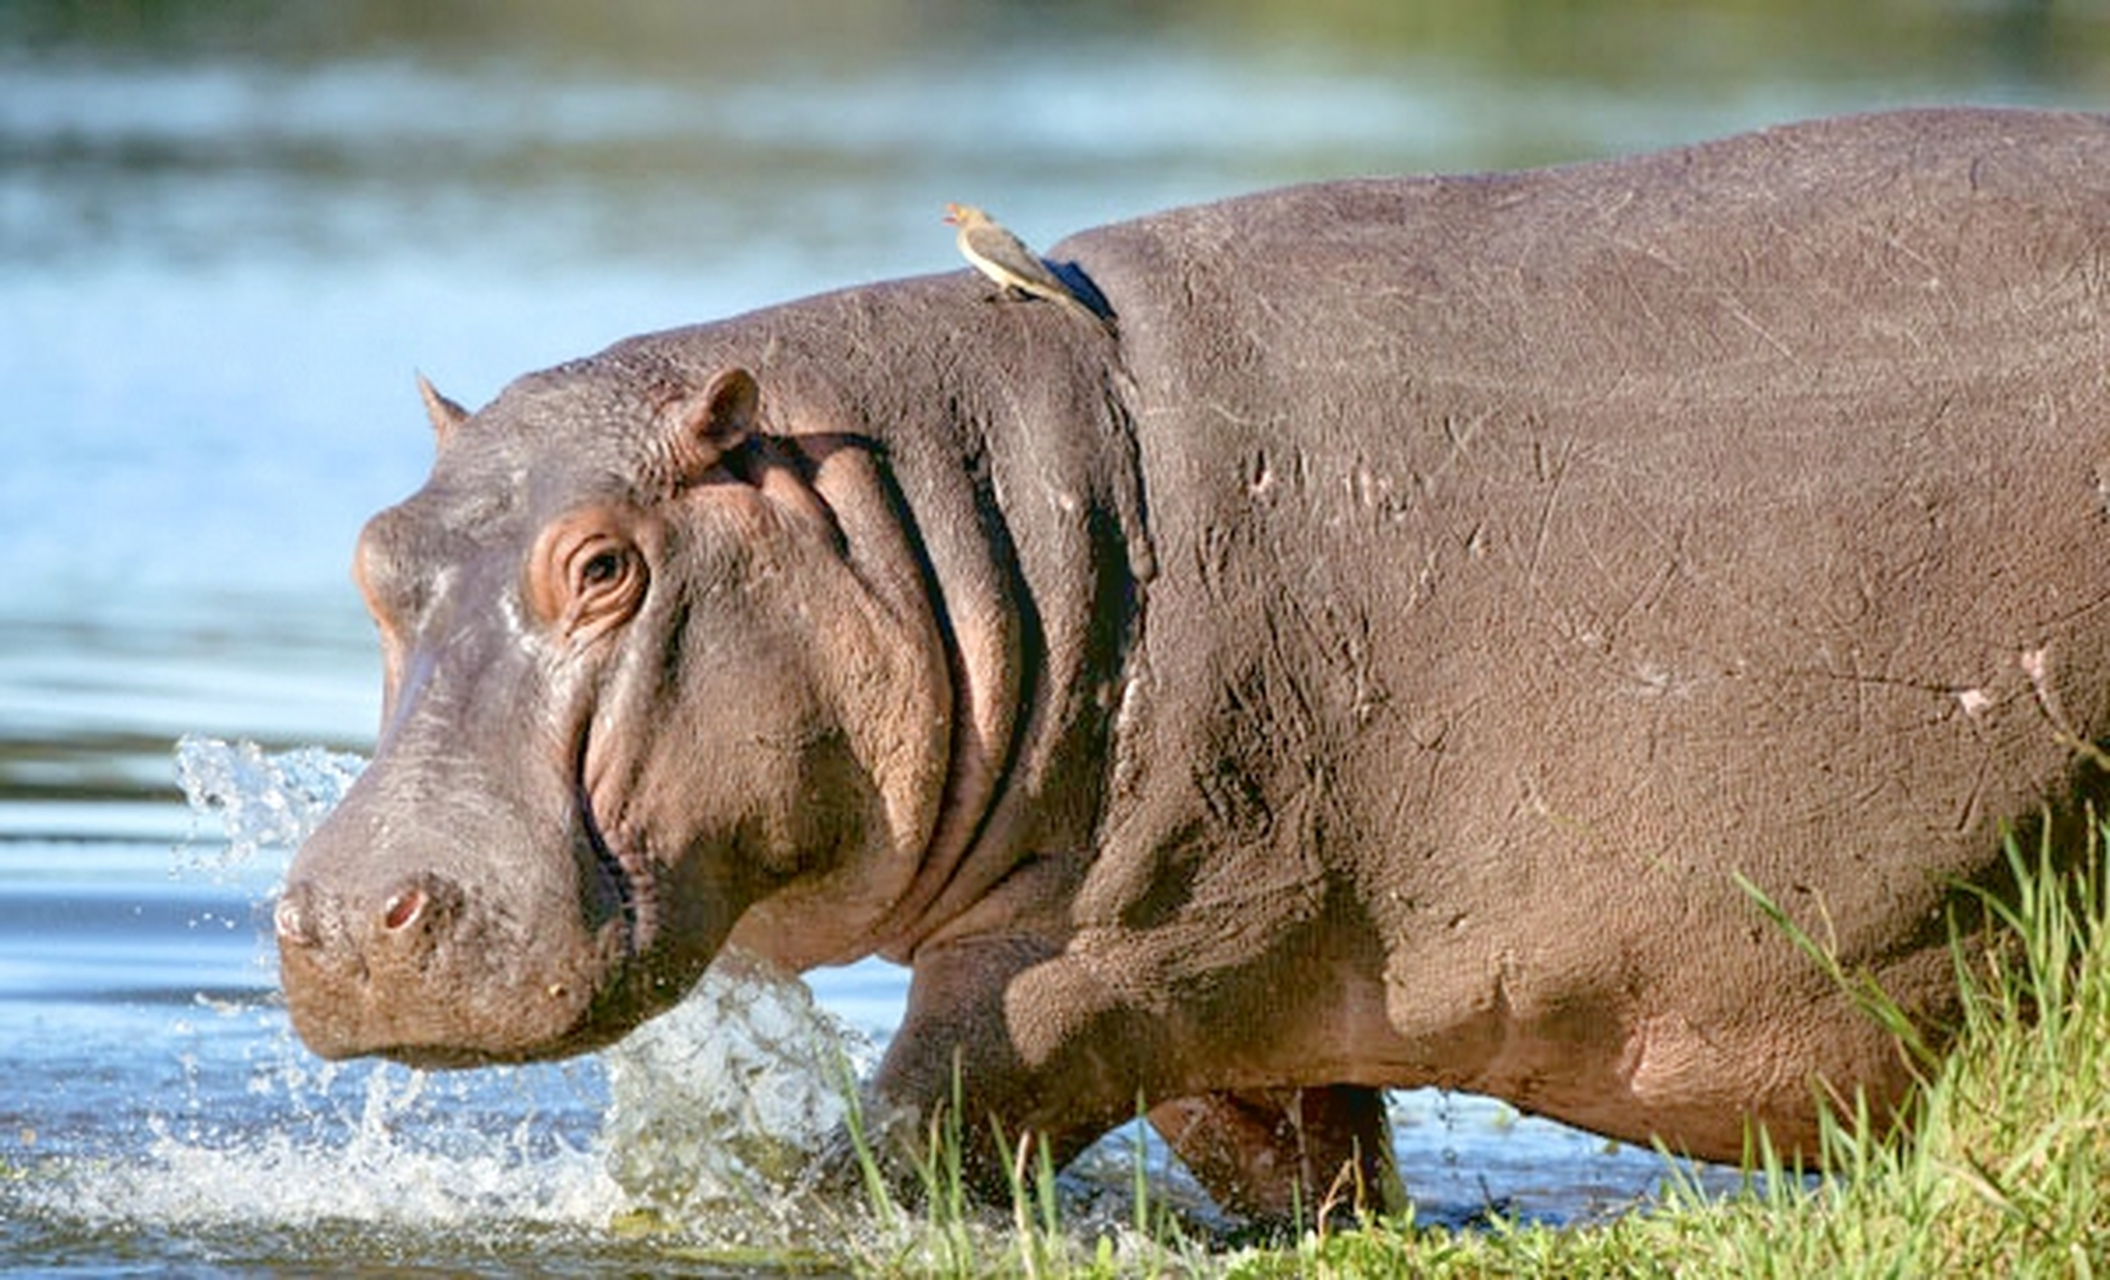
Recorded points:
(1373,667)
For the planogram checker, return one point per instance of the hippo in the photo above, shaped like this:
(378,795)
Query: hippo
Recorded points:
(1399,653)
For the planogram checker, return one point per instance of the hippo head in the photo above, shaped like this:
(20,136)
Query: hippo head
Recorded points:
(650,670)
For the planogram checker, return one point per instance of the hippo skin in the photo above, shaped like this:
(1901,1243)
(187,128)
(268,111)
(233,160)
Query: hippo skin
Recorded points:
(1374,666)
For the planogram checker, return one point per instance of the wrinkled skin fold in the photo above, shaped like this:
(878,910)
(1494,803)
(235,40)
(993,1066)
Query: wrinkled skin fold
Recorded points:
(1371,664)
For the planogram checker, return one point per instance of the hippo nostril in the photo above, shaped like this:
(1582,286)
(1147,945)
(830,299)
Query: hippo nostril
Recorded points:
(293,917)
(403,908)
(420,906)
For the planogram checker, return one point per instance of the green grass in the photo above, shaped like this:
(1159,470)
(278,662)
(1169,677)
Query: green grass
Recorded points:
(940,1228)
(2004,1171)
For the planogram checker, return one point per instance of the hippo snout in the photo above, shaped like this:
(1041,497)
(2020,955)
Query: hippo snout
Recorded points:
(443,968)
(368,967)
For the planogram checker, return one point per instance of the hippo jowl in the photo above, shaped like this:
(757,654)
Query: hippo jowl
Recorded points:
(1373,664)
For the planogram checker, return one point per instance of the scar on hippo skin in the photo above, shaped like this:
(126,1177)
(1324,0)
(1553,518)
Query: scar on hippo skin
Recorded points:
(2036,664)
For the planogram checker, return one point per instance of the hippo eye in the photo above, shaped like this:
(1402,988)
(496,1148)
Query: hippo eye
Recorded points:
(602,564)
(586,576)
(600,567)
(603,568)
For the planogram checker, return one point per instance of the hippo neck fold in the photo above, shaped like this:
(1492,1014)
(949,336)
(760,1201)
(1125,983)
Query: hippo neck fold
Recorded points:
(1012,455)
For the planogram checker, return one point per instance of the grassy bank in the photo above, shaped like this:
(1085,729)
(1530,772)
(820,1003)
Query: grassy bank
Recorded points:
(2006,1171)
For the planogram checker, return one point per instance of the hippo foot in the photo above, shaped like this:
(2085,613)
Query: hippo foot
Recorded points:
(1288,1159)
(881,1156)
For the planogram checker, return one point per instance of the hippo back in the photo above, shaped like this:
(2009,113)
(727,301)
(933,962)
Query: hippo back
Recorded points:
(1545,551)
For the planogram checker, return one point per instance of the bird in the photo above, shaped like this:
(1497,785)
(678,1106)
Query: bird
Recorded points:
(993,250)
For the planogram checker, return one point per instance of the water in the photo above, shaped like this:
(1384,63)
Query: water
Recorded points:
(230,234)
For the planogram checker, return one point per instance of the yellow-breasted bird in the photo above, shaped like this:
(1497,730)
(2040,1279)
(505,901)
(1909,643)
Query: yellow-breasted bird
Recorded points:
(992,250)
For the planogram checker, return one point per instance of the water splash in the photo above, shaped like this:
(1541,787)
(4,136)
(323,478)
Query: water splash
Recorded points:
(262,801)
(722,1106)
(707,1116)
(375,1146)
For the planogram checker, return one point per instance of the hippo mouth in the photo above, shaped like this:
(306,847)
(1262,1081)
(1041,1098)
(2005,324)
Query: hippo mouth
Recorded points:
(621,874)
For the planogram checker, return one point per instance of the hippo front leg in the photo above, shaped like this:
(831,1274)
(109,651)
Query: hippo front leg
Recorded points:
(1034,1041)
(1023,1041)
(1285,1157)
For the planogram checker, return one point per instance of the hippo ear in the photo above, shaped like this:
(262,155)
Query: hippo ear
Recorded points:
(445,414)
(703,428)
